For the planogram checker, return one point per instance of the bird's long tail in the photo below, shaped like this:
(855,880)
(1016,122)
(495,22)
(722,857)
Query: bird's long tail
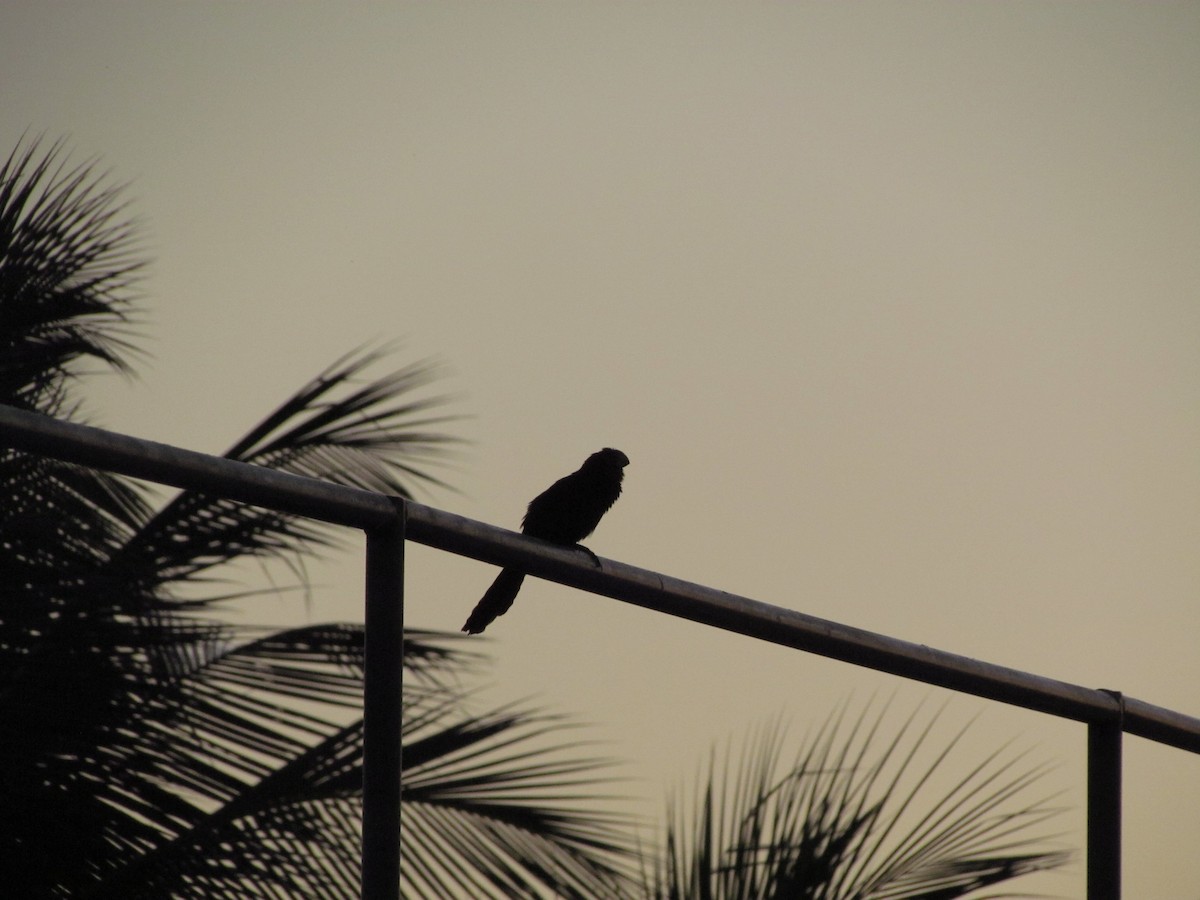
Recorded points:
(496,601)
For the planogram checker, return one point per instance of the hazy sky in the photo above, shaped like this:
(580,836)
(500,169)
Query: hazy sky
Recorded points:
(895,308)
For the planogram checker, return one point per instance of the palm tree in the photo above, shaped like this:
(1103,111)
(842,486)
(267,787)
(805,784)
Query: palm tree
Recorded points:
(151,749)
(847,822)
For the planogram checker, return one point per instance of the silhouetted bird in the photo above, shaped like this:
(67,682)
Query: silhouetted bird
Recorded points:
(565,513)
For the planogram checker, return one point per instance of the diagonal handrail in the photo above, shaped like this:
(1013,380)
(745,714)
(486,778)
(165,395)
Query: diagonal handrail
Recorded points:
(389,521)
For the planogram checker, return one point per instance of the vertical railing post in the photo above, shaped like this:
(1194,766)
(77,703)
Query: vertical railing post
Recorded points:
(382,698)
(1104,808)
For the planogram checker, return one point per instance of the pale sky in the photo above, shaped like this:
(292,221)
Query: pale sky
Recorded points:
(895,308)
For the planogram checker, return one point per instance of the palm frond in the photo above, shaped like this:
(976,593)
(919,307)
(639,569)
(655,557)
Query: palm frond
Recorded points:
(206,748)
(287,834)
(841,823)
(67,263)
(376,436)
(363,439)
(487,802)
(491,811)
(246,711)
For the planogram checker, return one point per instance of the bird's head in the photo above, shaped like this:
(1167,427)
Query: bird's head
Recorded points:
(608,458)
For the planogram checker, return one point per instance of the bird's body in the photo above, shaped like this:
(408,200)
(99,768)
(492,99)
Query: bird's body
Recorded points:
(565,513)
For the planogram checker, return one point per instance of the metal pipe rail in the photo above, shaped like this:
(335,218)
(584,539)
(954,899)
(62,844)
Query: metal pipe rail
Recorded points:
(390,521)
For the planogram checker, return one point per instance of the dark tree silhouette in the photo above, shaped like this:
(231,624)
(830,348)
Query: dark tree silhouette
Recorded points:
(151,749)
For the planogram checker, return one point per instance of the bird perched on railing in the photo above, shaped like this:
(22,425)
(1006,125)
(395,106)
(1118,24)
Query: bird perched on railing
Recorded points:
(565,513)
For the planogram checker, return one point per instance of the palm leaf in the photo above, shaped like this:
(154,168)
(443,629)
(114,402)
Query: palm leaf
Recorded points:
(491,811)
(67,263)
(841,823)
(487,801)
(373,436)
(209,746)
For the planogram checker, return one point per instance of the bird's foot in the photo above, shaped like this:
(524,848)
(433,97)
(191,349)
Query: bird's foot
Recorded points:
(594,557)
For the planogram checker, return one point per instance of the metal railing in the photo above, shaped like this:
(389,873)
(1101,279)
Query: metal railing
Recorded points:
(390,521)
